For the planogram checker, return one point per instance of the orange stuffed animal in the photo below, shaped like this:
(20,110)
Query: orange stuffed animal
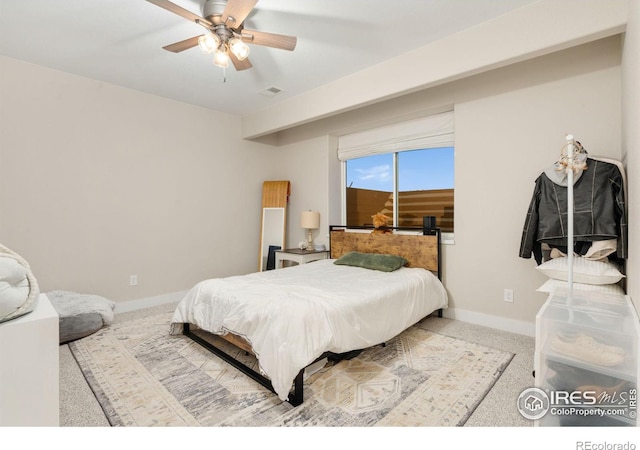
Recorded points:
(380,224)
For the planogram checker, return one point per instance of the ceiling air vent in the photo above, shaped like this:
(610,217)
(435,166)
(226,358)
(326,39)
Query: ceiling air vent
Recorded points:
(271,91)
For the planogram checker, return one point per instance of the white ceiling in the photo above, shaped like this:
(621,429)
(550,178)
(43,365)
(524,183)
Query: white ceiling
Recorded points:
(120,42)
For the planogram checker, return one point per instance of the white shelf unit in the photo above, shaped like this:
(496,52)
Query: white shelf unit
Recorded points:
(30,368)
(596,379)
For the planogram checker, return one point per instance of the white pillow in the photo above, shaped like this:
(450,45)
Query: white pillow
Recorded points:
(584,271)
(612,289)
(14,286)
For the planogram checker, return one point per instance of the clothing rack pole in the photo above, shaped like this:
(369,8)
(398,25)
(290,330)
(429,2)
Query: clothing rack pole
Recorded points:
(569,169)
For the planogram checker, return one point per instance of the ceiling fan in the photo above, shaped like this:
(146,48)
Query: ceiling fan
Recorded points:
(226,36)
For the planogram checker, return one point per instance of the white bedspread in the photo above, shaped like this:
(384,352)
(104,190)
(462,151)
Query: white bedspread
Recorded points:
(292,316)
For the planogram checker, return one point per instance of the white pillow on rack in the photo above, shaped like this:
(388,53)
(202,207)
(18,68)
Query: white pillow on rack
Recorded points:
(584,271)
(551,285)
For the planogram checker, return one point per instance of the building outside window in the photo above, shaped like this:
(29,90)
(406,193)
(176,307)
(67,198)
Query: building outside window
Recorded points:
(422,181)
(405,171)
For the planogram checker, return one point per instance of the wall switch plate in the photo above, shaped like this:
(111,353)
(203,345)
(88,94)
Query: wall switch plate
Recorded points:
(133,280)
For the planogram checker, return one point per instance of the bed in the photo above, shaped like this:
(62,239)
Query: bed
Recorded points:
(293,317)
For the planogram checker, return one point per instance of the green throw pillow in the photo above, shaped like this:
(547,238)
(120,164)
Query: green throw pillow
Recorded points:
(383,262)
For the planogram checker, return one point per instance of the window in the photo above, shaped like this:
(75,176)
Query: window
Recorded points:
(425,187)
(421,180)
(370,188)
(405,171)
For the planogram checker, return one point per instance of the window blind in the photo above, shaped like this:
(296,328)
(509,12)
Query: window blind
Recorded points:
(426,132)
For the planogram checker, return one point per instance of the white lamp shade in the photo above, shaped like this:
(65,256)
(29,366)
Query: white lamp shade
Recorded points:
(221,57)
(310,219)
(208,43)
(239,48)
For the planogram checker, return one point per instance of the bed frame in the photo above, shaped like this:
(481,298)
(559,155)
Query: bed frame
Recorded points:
(420,247)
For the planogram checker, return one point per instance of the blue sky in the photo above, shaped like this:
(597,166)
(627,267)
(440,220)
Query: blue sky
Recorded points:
(418,170)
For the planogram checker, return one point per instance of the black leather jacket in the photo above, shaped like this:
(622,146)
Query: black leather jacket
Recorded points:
(599,211)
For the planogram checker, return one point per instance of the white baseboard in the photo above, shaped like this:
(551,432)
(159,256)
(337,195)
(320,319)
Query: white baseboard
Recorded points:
(476,318)
(486,320)
(134,305)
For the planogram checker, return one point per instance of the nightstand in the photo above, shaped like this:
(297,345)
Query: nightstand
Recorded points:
(299,256)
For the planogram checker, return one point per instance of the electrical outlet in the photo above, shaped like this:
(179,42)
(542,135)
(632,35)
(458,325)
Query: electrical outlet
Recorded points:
(133,280)
(508,295)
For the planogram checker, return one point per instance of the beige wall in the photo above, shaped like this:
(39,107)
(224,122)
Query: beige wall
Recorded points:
(99,183)
(631,141)
(503,142)
(539,28)
(305,165)
(510,125)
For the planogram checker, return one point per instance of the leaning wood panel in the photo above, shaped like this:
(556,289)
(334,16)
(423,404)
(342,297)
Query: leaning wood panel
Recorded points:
(419,250)
(275,194)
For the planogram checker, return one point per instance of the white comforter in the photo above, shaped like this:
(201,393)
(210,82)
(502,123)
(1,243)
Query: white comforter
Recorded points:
(292,316)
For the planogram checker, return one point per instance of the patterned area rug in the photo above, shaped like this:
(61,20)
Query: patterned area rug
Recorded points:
(142,376)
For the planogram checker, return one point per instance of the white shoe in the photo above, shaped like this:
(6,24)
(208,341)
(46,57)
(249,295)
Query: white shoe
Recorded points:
(586,339)
(586,348)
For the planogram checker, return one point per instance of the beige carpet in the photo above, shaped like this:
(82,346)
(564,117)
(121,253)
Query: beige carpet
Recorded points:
(142,376)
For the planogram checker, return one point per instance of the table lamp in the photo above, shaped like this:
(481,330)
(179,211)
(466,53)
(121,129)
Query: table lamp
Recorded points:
(311,221)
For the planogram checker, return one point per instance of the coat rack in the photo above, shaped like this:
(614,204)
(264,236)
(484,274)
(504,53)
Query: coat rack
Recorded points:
(572,164)
(570,169)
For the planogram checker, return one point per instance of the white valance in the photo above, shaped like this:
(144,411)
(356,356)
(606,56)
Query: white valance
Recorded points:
(433,131)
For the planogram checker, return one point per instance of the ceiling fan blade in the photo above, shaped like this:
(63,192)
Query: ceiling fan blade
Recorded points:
(236,11)
(240,65)
(179,10)
(182,45)
(269,39)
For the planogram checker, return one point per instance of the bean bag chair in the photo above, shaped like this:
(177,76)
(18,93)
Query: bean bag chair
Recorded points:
(80,314)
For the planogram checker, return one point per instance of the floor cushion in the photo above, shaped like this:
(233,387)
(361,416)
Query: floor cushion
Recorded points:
(80,314)
(19,289)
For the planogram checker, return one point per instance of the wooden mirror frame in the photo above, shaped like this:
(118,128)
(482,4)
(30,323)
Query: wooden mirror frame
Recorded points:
(273,222)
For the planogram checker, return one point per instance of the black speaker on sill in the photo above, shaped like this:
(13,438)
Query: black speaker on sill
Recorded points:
(428,225)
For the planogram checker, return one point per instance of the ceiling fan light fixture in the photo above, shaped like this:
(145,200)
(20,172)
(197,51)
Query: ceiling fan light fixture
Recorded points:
(208,43)
(225,36)
(239,48)
(221,57)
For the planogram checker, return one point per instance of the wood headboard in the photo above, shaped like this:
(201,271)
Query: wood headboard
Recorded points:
(420,250)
